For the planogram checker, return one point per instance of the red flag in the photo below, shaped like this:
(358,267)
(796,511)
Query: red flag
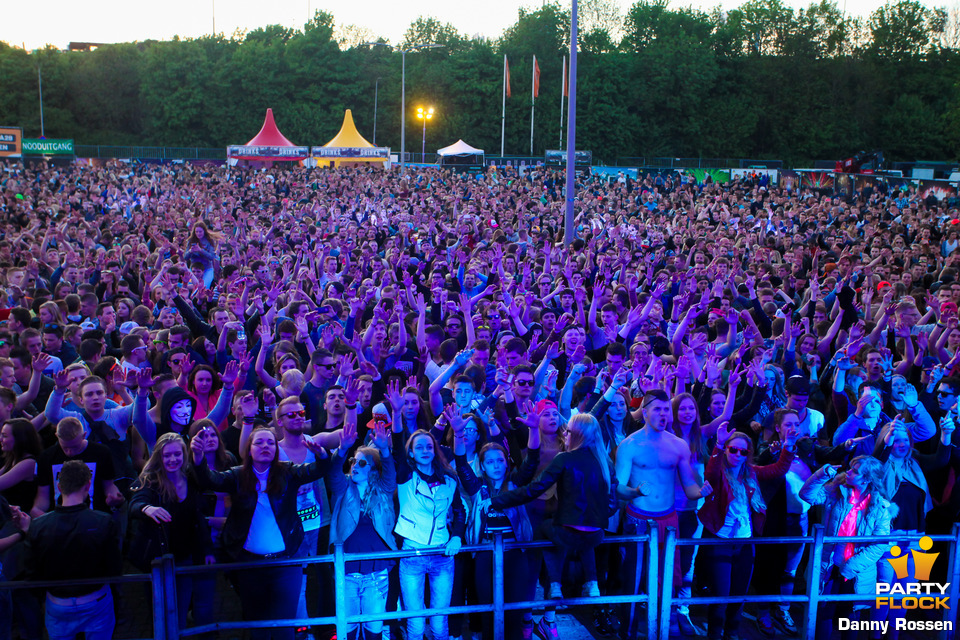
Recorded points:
(506,74)
(564,77)
(536,78)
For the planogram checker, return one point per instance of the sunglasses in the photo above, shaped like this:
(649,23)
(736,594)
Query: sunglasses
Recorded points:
(327,366)
(300,413)
(360,462)
(946,393)
(738,451)
(525,383)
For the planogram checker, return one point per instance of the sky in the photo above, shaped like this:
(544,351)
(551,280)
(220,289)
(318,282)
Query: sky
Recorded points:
(36,23)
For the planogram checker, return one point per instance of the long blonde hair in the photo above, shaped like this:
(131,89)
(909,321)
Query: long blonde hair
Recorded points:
(745,477)
(153,474)
(584,432)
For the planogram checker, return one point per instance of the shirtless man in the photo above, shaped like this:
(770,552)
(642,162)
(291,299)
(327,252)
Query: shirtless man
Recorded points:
(647,464)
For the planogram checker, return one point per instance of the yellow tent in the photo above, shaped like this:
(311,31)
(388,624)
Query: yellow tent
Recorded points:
(349,147)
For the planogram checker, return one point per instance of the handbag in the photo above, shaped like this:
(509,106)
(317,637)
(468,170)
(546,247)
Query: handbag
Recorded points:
(149,542)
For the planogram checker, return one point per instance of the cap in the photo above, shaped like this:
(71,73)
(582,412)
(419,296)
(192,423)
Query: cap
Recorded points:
(543,405)
(86,325)
(127,327)
(883,284)
(797,386)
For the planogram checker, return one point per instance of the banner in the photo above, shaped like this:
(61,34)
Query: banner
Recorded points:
(47,147)
(816,179)
(350,152)
(10,141)
(719,176)
(556,156)
(291,153)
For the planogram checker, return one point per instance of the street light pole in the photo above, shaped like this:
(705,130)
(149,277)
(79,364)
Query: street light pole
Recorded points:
(376,94)
(40,88)
(568,230)
(403,93)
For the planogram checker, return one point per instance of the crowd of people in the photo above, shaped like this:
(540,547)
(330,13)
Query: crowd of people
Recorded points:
(237,365)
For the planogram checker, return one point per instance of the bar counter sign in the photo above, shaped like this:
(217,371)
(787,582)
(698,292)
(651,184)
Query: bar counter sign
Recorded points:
(10,142)
(243,151)
(48,147)
(351,152)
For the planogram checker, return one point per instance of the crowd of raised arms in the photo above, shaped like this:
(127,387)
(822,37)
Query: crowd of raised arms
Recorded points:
(259,364)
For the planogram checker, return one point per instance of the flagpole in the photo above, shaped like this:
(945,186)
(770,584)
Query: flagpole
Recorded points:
(563,94)
(568,230)
(503,113)
(533,98)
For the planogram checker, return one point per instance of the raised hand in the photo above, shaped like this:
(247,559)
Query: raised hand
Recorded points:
(41,362)
(348,435)
(144,378)
(62,380)
(230,373)
(196,446)
(724,431)
(351,392)
(395,398)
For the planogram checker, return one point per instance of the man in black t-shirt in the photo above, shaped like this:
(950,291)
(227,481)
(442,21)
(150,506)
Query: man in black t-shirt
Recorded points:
(72,445)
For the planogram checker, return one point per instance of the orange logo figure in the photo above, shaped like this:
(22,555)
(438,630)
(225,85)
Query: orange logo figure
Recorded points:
(923,562)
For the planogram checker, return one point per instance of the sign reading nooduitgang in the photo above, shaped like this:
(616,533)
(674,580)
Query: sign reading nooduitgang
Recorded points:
(47,147)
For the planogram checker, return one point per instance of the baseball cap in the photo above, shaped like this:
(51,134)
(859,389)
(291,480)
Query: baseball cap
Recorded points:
(797,386)
(127,327)
(543,405)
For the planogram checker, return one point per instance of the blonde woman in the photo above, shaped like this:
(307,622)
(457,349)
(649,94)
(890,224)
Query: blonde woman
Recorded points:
(586,498)
(168,505)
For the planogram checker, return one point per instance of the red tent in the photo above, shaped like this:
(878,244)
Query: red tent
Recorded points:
(267,146)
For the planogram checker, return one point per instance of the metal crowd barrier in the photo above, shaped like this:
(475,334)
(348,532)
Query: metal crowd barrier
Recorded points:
(165,572)
(813,598)
(659,603)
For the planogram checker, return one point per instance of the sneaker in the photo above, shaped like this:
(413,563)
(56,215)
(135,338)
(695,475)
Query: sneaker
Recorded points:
(765,625)
(556,591)
(527,629)
(591,589)
(685,624)
(785,621)
(600,622)
(547,630)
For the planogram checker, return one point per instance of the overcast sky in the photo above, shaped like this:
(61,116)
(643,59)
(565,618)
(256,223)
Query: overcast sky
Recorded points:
(35,23)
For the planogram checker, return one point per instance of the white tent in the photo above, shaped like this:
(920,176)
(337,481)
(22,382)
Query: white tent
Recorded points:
(459,148)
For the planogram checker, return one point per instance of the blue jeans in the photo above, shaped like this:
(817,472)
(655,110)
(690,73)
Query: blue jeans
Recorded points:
(95,619)
(413,575)
(6,610)
(308,549)
(366,594)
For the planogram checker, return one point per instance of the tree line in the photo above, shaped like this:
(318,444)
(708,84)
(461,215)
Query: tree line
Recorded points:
(760,81)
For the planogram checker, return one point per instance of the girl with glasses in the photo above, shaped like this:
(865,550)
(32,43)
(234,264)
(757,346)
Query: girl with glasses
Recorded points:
(734,510)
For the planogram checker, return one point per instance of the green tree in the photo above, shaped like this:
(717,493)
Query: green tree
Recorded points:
(901,30)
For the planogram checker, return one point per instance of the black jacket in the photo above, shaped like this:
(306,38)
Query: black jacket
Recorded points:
(582,497)
(284,504)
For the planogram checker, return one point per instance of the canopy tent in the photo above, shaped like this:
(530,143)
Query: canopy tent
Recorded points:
(459,148)
(349,148)
(267,146)
(461,154)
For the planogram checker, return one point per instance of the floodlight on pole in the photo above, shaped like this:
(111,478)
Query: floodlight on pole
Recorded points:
(403,91)
(424,114)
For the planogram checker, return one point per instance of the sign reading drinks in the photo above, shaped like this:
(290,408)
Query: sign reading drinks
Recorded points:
(47,147)
(351,152)
(289,153)
(10,142)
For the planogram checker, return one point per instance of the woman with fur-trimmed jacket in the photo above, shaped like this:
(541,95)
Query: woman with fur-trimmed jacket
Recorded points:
(855,504)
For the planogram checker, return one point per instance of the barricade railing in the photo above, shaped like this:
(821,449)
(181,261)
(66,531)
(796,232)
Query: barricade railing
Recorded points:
(813,598)
(167,570)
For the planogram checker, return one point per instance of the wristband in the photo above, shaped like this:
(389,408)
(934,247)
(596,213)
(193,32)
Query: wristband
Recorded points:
(351,406)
